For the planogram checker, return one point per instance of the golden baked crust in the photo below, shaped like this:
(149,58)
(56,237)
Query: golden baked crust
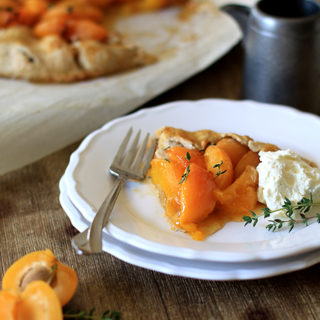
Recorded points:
(52,59)
(170,137)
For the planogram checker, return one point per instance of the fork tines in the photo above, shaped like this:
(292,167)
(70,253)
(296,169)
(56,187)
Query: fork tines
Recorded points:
(134,162)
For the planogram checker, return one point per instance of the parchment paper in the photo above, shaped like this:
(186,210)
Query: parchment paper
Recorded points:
(36,119)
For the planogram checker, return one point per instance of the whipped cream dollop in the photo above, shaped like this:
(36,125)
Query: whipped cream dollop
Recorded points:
(284,174)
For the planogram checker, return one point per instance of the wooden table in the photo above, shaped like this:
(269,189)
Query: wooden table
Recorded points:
(31,219)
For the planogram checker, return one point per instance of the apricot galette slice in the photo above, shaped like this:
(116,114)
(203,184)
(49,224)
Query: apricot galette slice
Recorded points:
(205,178)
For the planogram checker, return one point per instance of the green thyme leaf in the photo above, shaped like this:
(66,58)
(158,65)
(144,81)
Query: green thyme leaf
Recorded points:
(187,171)
(247,220)
(185,175)
(266,212)
(82,315)
(218,165)
(70,9)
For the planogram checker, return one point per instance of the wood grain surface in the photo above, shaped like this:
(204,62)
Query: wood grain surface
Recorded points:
(31,219)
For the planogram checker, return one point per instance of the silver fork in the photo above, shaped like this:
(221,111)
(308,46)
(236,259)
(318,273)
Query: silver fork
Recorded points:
(132,165)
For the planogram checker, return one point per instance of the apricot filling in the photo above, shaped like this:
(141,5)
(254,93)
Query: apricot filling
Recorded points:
(70,19)
(203,190)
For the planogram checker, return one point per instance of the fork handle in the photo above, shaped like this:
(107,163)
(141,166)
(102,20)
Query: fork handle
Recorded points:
(102,216)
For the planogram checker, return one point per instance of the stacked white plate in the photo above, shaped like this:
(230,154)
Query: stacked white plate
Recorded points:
(138,231)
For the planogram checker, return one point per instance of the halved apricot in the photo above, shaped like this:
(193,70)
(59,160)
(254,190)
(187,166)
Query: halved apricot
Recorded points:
(196,195)
(39,302)
(41,265)
(249,159)
(219,163)
(233,148)
(8,305)
(179,154)
(240,197)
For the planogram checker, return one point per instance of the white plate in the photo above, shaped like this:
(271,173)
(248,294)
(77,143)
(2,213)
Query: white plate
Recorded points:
(138,219)
(197,269)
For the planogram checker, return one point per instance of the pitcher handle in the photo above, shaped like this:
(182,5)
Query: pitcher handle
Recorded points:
(240,13)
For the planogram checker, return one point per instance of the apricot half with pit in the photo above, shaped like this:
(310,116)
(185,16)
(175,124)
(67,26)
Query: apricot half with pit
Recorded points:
(37,302)
(8,305)
(43,266)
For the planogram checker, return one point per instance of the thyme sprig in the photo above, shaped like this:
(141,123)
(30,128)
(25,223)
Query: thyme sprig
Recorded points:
(218,165)
(83,315)
(187,171)
(70,9)
(289,208)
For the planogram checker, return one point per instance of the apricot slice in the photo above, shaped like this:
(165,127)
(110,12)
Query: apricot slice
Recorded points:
(7,18)
(233,148)
(41,265)
(74,10)
(85,29)
(101,3)
(8,305)
(240,197)
(249,159)
(196,195)
(179,154)
(52,26)
(219,163)
(39,302)
(31,11)
(167,176)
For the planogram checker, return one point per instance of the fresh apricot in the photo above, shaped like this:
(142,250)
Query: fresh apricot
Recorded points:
(179,154)
(249,159)
(233,148)
(219,163)
(241,196)
(8,305)
(39,302)
(196,195)
(41,265)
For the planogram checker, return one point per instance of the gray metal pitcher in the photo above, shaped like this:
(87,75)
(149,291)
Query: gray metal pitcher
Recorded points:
(282,52)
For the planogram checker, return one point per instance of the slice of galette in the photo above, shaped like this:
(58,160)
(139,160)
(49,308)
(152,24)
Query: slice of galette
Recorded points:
(205,178)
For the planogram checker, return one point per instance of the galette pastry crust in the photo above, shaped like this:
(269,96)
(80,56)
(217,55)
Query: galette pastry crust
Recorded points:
(52,59)
(171,137)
